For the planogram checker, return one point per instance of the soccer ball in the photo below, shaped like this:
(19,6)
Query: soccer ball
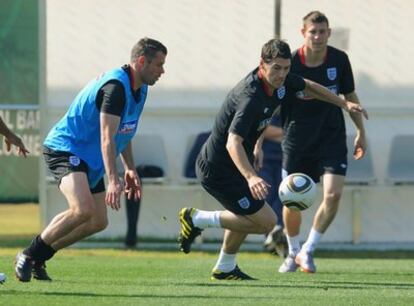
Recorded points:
(297,191)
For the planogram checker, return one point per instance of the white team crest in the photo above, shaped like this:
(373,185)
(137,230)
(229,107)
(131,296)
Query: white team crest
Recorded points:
(281,92)
(331,72)
(244,203)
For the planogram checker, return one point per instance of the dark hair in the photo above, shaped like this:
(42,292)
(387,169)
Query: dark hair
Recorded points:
(275,48)
(315,17)
(147,47)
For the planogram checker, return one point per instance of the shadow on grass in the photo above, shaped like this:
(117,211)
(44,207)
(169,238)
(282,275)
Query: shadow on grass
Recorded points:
(151,296)
(395,273)
(392,285)
(324,285)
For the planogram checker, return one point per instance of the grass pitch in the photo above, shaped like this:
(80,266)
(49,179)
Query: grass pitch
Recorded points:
(120,277)
(125,277)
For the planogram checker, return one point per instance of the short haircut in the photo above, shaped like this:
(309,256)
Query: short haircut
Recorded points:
(315,17)
(147,47)
(275,48)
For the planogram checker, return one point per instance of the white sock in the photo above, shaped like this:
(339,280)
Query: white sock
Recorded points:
(313,239)
(203,219)
(225,262)
(294,244)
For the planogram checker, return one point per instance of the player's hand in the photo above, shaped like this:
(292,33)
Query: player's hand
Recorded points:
(258,187)
(258,159)
(360,146)
(15,140)
(352,107)
(132,186)
(113,194)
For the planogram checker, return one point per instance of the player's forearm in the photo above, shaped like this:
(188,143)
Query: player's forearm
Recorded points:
(109,127)
(127,158)
(108,155)
(356,117)
(259,142)
(319,92)
(239,157)
(4,130)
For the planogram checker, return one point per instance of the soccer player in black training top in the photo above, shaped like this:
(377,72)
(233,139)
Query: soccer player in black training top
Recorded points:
(315,139)
(228,162)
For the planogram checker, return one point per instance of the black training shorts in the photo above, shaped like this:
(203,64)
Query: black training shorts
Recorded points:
(61,164)
(231,190)
(315,166)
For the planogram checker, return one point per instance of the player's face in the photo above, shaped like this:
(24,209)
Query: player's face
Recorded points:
(152,69)
(275,72)
(316,35)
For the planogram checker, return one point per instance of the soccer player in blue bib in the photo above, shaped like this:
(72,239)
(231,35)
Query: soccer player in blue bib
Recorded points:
(314,135)
(84,144)
(228,163)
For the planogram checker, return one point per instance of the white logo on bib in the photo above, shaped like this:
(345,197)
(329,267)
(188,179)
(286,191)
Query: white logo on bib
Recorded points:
(74,160)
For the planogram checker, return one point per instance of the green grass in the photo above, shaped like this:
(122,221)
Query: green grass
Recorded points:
(119,277)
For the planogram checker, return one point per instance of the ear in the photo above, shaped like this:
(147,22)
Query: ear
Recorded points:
(303,31)
(261,63)
(329,32)
(141,60)
(262,70)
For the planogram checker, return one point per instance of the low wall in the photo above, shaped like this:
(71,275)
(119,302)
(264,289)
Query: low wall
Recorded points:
(375,213)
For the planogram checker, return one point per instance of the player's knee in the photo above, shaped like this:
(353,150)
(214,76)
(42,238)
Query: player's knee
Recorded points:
(331,208)
(100,225)
(333,197)
(267,221)
(83,214)
(266,226)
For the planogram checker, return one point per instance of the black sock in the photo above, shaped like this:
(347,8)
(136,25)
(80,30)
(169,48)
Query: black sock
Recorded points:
(39,251)
(132,209)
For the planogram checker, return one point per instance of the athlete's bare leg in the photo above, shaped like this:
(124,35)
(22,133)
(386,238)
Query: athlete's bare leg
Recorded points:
(232,241)
(97,223)
(260,222)
(292,219)
(75,188)
(332,192)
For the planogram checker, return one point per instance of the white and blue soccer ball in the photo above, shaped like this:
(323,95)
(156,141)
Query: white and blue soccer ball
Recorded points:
(3,278)
(297,191)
